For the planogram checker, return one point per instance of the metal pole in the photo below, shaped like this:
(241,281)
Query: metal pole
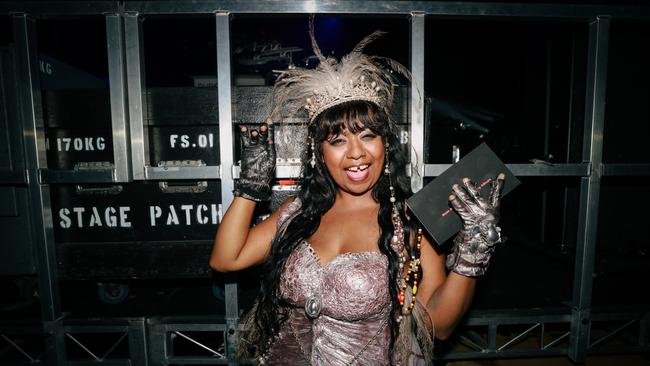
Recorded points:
(592,150)
(136,86)
(138,342)
(157,350)
(225,112)
(570,124)
(417,101)
(226,164)
(547,128)
(31,112)
(117,81)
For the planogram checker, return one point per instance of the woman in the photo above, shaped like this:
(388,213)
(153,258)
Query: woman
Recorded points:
(346,281)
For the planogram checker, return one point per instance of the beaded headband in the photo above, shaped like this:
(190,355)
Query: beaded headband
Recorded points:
(356,77)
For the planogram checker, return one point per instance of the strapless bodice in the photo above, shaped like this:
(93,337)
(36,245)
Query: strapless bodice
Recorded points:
(353,322)
(352,286)
(352,325)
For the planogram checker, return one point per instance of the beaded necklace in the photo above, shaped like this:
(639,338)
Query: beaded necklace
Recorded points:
(411,276)
(411,279)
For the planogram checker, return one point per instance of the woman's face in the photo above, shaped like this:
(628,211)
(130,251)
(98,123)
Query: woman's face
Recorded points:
(354,160)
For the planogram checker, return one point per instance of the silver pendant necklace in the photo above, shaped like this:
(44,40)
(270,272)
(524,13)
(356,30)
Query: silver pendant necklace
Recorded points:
(313,306)
(313,303)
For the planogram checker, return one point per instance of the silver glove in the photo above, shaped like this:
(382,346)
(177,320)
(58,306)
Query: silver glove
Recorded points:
(475,243)
(257,163)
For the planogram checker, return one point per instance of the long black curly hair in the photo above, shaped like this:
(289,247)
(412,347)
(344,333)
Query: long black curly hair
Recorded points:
(317,195)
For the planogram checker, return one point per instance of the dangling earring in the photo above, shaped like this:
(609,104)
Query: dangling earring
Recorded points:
(312,161)
(390,183)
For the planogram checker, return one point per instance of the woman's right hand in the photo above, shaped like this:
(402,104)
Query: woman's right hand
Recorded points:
(257,163)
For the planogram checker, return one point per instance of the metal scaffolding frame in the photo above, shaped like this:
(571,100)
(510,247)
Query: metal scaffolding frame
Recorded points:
(151,339)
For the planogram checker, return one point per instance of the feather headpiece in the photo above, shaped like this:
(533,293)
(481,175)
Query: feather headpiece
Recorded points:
(357,77)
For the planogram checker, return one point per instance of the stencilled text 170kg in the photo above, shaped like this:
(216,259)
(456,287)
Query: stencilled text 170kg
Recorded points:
(95,143)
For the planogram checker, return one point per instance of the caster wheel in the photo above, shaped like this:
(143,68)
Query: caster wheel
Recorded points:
(112,293)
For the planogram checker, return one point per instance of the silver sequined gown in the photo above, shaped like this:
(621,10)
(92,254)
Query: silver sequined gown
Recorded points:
(353,324)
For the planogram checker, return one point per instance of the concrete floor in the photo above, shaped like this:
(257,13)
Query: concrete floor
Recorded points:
(628,360)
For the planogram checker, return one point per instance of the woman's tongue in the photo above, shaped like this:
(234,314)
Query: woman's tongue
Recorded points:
(357,175)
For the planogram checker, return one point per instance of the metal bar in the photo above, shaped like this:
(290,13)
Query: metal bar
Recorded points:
(199,344)
(589,187)
(21,363)
(631,337)
(17,347)
(224,103)
(13,178)
(546,315)
(169,345)
(501,355)
(612,315)
(89,328)
(226,154)
(136,86)
(31,111)
(570,128)
(117,81)
(612,333)
(22,329)
(518,337)
(65,8)
(547,123)
(172,173)
(82,346)
(620,349)
(556,340)
(532,170)
(470,343)
(442,8)
(138,342)
(156,344)
(75,176)
(608,315)
(625,169)
(571,11)
(199,360)
(55,341)
(506,320)
(416,127)
(195,327)
(114,345)
(103,363)
(492,337)
(503,320)
(15,172)
(200,321)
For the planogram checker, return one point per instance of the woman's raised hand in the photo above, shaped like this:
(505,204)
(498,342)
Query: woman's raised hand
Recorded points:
(475,243)
(257,163)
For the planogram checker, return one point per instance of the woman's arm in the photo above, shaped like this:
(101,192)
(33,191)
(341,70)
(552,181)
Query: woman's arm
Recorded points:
(447,297)
(236,246)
